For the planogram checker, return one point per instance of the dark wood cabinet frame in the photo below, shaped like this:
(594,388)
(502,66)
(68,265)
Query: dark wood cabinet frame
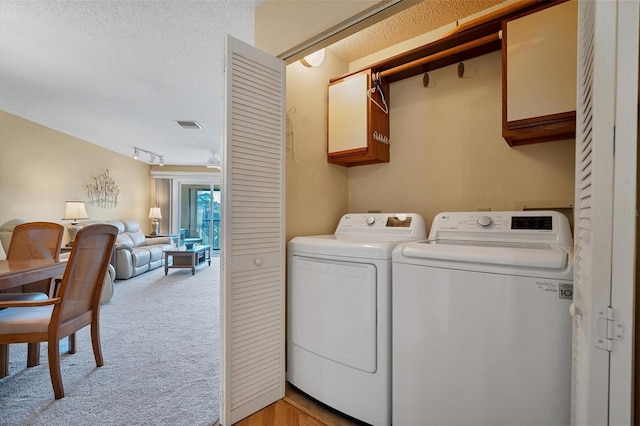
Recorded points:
(544,128)
(377,121)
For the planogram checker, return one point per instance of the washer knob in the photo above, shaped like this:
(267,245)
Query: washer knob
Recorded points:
(484,221)
(370,220)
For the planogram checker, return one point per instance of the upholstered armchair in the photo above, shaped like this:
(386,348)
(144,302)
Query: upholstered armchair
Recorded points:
(190,236)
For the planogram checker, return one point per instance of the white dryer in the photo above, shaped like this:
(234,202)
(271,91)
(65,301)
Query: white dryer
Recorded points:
(481,323)
(339,312)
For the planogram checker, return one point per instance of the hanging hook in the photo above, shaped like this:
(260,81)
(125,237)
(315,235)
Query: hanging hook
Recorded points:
(377,86)
(425,80)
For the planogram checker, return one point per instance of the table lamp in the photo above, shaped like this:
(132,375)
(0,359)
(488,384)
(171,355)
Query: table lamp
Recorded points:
(73,211)
(156,215)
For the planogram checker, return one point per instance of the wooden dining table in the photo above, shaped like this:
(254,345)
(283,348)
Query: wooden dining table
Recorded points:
(14,273)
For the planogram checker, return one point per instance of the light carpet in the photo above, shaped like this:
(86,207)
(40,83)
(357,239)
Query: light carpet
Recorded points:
(160,342)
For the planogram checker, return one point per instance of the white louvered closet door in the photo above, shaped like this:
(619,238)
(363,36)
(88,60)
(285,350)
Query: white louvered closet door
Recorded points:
(604,221)
(253,239)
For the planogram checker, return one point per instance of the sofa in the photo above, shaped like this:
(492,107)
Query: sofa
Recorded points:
(6,230)
(135,253)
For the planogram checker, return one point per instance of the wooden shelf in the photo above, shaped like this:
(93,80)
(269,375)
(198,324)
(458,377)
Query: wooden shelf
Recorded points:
(446,50)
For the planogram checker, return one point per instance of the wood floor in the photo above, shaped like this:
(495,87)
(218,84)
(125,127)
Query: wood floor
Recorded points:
(296,409)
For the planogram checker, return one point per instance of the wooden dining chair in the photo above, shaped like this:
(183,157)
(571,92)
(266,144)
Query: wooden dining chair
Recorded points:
(35,240)
(75,305)
(31,240)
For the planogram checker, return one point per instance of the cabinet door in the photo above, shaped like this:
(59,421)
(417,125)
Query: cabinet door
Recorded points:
(358,127)
(539,75)
(348,114)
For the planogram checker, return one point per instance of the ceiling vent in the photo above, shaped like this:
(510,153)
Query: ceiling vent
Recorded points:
(189,124)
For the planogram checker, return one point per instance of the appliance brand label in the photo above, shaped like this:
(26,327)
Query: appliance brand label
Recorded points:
(566,291)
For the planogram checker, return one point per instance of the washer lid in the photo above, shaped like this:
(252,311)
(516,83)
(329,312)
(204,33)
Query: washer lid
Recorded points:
(538,255)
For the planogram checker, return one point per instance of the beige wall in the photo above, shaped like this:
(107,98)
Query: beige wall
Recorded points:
(447,152)
(316,190)
(41,168)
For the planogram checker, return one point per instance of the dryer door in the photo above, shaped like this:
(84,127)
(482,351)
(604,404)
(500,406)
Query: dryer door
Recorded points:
(332,310)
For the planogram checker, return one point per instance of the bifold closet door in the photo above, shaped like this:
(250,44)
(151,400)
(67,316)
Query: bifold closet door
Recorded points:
(253,239)
(605,213)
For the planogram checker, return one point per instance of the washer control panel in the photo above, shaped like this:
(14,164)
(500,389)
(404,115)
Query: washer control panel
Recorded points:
(506,225)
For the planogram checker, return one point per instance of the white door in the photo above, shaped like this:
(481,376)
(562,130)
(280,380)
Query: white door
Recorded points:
(253,240)
(624,255)
(606,135)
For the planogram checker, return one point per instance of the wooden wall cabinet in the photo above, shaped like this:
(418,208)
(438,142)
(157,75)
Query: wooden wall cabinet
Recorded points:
(539,70)
(539,50)
(358,130)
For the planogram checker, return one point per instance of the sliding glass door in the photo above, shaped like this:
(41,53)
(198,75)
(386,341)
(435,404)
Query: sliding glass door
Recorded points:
(199,214)
(193,203)
(215,235)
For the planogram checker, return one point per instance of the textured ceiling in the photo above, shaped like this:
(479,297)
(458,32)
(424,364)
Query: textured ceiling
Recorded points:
(411,22)
(120,73)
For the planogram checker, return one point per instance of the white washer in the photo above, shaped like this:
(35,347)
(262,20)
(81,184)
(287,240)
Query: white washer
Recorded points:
(481,323)
(339,305)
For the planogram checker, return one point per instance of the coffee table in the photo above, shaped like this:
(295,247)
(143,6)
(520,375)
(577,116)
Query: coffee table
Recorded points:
(187,258)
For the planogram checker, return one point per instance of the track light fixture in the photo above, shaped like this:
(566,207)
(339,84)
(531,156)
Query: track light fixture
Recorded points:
(152,155)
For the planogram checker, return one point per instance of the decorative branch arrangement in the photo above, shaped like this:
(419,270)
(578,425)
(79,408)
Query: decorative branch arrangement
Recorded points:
(103,192)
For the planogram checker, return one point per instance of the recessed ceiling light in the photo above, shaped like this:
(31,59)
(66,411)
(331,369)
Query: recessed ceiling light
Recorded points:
(189,124)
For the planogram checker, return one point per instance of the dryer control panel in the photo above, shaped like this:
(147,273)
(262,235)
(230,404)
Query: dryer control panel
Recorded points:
(406,224)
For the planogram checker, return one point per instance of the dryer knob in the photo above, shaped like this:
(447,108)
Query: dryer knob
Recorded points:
(370,220)
(484,221)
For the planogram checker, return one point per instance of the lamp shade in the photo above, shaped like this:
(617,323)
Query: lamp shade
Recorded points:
(155,213)
(74,210)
